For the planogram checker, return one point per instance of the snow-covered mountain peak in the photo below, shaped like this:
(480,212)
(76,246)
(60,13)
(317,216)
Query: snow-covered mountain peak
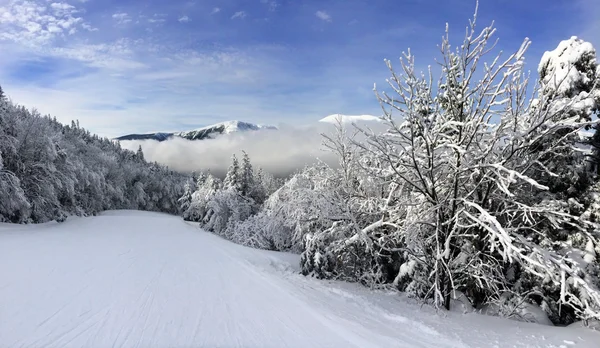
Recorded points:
(228,127)
(207,132)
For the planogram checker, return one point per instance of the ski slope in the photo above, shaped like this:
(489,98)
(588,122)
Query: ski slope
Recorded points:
(134,279)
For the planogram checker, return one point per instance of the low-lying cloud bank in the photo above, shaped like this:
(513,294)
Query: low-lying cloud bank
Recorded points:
(280,152)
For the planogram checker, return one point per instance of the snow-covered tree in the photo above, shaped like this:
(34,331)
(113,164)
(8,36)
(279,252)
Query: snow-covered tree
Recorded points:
(464,194)
(184,201)
(246,176)
(13,205)
(336,248)
(140,154)
(49,171)
(232,178)
(463,155)
(207,187)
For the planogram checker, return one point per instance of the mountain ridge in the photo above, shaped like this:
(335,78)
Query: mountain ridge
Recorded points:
(207,132)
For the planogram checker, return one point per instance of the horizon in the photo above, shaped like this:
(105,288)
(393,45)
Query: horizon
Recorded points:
(135,67)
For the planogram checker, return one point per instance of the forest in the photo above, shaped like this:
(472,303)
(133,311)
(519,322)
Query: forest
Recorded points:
(482,193)
(49,171)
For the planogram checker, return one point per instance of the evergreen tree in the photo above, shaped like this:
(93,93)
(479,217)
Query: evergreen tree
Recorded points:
(246,176)
(232,178)
(185,200)
(140,154)
(49,171)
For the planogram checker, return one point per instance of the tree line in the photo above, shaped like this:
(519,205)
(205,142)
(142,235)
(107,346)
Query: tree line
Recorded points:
(49,171)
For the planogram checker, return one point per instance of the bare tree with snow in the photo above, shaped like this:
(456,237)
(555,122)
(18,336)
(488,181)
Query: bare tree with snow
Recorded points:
(466,155)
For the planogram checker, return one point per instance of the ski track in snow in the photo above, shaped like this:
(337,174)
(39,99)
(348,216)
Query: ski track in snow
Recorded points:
(134,279)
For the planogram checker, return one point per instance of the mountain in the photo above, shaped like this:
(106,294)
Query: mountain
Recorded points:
(349,118)
(208,132)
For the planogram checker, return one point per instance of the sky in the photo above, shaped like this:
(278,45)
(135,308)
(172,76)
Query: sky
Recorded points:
(133,66)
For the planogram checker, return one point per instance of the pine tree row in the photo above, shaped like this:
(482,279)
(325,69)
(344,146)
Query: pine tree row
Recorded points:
(49,171)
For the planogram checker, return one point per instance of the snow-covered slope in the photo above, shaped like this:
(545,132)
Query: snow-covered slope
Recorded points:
(134,279)
(221,128)
(335,118)
(207,132)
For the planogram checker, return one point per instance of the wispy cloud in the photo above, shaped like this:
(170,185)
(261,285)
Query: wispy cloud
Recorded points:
(239,14)
(271,4)
(122,17)
(322,15)
(184,19)
(215,10)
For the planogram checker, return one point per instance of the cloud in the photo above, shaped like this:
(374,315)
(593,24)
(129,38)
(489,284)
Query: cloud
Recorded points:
(215,10)
(33,24)
(88,27)
(184,19)
(116,56)
(271,4)
(280,152)
(239,14)
(322,15)
(181,77)
(121,17)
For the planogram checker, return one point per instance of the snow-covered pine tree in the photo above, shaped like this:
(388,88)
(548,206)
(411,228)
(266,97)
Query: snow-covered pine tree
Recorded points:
(184,201)
(232,178)
(140,154)
(246,176)
(207,186)
(260,191)
(50,170)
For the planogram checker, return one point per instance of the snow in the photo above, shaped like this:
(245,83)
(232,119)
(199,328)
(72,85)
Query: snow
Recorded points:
(229,127)
(563,59)
(349,118)
(135,279)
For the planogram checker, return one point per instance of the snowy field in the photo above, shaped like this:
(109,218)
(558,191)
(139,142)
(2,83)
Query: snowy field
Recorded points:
(133,279)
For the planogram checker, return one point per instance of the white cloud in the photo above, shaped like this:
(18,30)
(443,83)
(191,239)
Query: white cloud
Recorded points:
(33,23)
(121,18)
(88,27)
(115,56)
(62,8)
(239,14)
(215,10)
(322,15)
(184,19)
(156,20)
(280,152)
(170,80)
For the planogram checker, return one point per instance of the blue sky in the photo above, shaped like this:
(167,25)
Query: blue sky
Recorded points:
(123,66)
